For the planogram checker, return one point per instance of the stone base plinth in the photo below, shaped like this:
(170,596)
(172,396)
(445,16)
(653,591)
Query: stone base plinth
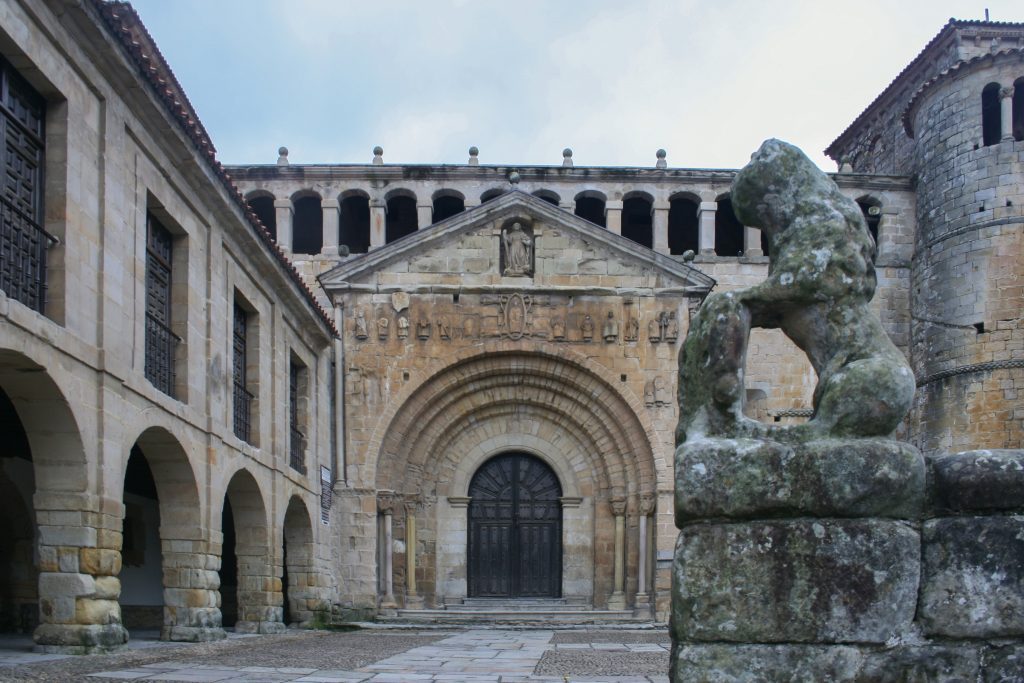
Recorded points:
(79,639)
(192,634)
(264,627)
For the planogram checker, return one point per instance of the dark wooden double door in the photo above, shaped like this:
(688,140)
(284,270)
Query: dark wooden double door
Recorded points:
(515,529)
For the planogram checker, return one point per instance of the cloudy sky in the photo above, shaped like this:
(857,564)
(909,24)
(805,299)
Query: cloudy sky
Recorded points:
(522,79)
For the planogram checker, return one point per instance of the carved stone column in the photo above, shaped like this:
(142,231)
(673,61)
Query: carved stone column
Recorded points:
(412,600)
(1006,106)
(660,226)
(378,223)
(706,238)
(752,241)
(646,510)
(283,214)
(613,217)
(617,601)
(424,215)
(385,506)
(331,211)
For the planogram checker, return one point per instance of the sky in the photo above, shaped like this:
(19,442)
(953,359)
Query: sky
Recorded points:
(615,80)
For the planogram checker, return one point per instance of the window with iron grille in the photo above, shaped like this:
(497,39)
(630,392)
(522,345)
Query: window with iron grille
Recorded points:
(161,342)
(23,242)
(297,440)
(243,398)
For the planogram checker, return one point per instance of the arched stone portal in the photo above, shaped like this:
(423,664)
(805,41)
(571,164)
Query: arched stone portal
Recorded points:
(558,407)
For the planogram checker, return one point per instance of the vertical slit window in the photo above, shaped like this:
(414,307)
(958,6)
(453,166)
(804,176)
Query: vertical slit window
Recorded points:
(991,115)
(161,342)
(23,242)
(297,440)
(243,398)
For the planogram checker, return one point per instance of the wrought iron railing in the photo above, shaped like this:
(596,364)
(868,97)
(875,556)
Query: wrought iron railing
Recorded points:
(297,448)
(161,344)
(243,412)
(23,244)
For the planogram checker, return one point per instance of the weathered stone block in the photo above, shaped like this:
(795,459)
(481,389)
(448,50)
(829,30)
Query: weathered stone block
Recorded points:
(93,611)
(1005,665)
(79,639)
(977,480)
(108,587)
(795,581)
(743,478)
(99,561)
(756,663)
(972,582)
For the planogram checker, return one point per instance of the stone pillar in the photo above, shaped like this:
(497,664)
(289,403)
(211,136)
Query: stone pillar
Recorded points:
(284,211)
(412,600)
(378,223)
(617,600)
(613,217)
(1006,107)
(660,226)
(385,506)
(332,216)
(191,585)
(78,566)
(424,216)
(752,241)
(706,238)
(642,598)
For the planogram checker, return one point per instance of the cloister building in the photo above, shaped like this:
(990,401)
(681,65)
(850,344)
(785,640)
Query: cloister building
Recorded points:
(262,395)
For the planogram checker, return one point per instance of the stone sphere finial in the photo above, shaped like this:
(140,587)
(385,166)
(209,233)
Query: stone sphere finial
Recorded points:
(567,157)
(473,154)
(661,163)
(378,155)
(513,177)
(688,255)
(282,156)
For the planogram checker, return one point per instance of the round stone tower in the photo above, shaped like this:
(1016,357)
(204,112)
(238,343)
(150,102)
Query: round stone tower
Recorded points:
(967,331)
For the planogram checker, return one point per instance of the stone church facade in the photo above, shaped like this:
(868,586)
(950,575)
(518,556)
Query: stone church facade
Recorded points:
(277,394)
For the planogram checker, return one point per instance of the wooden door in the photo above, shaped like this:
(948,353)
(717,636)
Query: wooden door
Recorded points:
(515,529)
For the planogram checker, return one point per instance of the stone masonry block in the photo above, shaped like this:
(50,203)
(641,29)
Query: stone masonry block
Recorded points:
(743,478)
(972,582)
(977,480)
(807,581)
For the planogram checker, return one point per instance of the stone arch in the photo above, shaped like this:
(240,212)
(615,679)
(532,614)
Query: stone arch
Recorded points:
(590,205)
(871,207)
(307,222)
(728,229)
(354,220)
(1017,110)
(402,218)
(190,610)
(262,204)
(549,196)
(299,580)
(247,558)
(991,114)
(493,193)
(683,222)
(638,217)
(556,405)
(447,203)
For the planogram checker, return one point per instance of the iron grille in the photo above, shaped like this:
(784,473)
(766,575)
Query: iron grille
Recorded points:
(297,440)
(23,242)
(161,342)
(243,399)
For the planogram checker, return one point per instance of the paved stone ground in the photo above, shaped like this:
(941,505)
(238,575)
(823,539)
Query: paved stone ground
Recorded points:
(371,656)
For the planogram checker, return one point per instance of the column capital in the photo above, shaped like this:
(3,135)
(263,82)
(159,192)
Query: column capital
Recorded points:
(330,203)
(1006,91)
(647,502)
(708,206)
(282,204)
(613,205)
(386,502)
(618,506)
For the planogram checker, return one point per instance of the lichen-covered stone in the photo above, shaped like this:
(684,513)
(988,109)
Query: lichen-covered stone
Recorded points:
(979,481)
(972,577)
(1005,664)
(739,478)
(795,581)
(813,663)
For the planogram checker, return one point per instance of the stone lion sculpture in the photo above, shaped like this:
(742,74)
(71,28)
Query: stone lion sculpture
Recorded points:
(820,280)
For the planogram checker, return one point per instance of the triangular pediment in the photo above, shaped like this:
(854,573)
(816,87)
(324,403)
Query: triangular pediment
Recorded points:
(550,249)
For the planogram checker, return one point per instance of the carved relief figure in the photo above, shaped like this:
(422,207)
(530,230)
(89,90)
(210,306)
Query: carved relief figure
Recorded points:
(661,395)
(654,330)
(671,328)
(403,327)
(649,393)
(518,251)
(611,328)
(444,327)
(588,328)
(558,328)
(383,324)
(423,328)
(360,324)
(469,326)
(632,329)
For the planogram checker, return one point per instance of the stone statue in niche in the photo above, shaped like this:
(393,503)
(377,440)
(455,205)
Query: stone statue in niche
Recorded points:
(470,327)
(444,327)
(558,328)
(661,394)
(810,487)
(518,251)
(423,328)
(383,325)
(649,393)
(632,330)
(654,329)
(403,327)
(587,327)
(671,327)
(360,324)
(611,329)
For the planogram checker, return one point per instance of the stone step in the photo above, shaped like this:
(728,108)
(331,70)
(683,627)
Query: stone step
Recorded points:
(528,605)
(511,617)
